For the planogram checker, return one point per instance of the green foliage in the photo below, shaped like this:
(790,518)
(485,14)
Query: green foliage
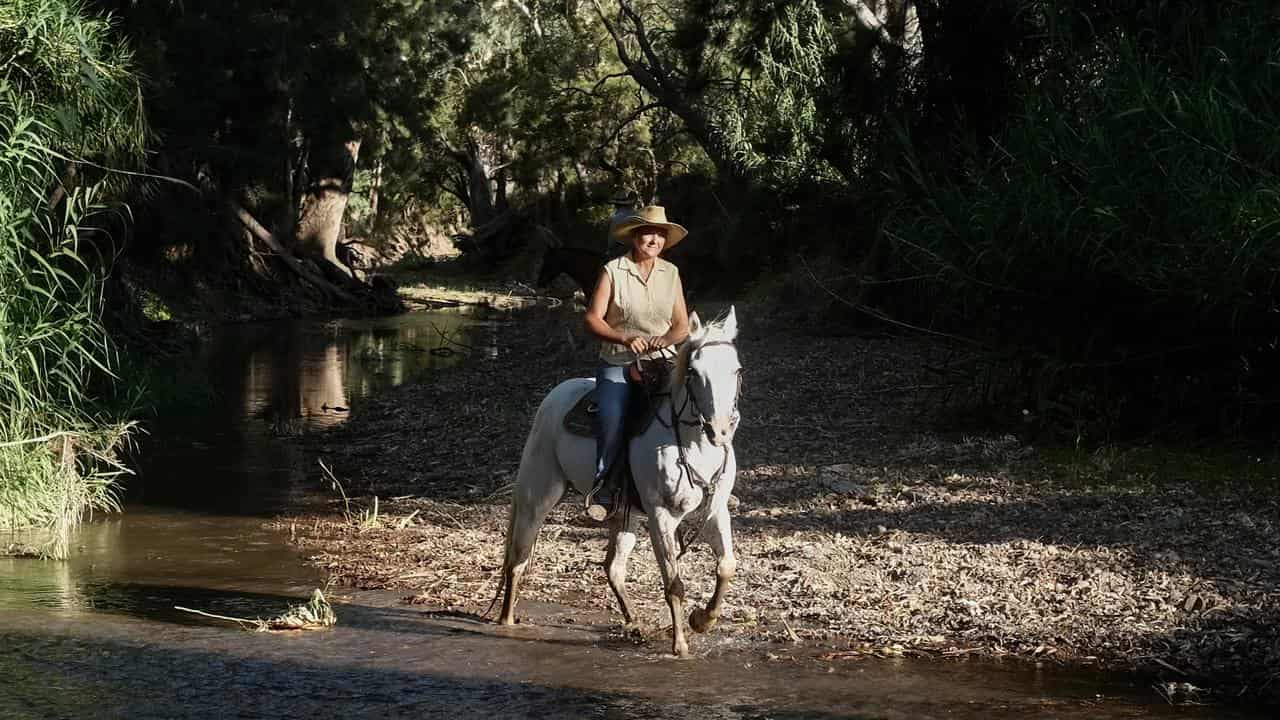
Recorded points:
(1120,243)
(78,77)
(1085,188)
(249,95)
(65,97)
(775,124)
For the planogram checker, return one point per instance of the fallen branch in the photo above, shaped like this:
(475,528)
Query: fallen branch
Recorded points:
(876,313)
(444,338)
(255,624)
(316,614)
(297,266)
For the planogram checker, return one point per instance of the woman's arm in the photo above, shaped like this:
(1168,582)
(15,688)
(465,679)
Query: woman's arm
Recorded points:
(596,325)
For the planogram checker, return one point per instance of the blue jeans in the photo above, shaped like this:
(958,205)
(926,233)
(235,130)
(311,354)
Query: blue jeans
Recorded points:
(613,394)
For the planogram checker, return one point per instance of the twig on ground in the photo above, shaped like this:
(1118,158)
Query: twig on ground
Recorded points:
(315,614)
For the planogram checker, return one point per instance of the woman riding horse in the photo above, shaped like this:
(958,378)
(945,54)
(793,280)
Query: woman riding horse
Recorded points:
(637,307)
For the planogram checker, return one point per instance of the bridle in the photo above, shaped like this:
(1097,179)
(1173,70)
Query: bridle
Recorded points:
(700,420)
(691,398)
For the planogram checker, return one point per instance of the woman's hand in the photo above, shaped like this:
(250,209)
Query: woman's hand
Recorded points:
(637,344)
(658,342)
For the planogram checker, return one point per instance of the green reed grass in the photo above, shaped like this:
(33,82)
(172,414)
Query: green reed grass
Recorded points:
(67,101)
(1118,246)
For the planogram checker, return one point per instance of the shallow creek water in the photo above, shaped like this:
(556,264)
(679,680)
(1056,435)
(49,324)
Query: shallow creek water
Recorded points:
(98,636)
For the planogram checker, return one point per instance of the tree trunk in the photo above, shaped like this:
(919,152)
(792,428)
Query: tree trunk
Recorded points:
(374,193)
(500,200)
(325,203)
(303,270)
(289,213)
(67,181)
(478,189)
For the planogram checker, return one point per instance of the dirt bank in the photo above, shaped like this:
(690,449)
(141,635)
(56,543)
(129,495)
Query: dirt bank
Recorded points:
(864,525)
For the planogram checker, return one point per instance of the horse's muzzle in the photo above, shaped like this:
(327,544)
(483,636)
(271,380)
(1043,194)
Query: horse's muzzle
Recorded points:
(719,431)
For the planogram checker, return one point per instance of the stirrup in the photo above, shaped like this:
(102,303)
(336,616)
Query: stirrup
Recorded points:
(598,512)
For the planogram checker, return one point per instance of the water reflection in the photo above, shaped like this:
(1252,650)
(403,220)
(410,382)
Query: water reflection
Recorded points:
(313,372)
(286,378)
(206,477)
(169,553)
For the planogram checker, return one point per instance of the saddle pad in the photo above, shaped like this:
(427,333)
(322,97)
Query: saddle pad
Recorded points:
(580,420)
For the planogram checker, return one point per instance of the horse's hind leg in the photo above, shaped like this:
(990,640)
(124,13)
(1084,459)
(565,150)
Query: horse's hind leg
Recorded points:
(622,540)
(662,531)
(721,540)
(530,505)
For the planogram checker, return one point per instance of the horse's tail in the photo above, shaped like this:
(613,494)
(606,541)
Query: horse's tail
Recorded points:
(506,556)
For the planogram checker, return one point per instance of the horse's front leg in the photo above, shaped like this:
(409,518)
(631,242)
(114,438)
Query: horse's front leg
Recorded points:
(720,538)
(662,532)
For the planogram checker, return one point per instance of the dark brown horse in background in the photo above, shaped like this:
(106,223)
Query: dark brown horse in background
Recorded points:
(578,263)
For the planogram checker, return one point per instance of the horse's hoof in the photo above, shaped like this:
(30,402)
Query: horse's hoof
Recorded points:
(700,621)
(681,651)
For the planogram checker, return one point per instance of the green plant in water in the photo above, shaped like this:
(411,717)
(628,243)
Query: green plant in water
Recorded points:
(68,105)
(362,519)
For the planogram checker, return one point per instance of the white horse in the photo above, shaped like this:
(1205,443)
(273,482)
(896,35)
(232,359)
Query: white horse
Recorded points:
(683,465)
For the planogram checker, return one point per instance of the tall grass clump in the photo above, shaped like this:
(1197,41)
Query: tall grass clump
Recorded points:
(1117,246)
(68,108)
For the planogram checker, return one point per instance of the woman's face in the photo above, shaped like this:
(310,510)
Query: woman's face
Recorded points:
(647,242)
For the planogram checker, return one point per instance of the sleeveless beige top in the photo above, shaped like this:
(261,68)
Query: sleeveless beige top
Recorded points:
(637,307)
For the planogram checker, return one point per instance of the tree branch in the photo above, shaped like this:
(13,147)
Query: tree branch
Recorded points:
(611,76)
(297,266)
(635,115)
(533,19)
(609,167)
(623,55)
(570,90)
(871,21)
(642,38)
(651,75)
(466,201)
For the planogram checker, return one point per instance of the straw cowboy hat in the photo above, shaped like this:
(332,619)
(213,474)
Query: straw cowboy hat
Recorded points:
(652,215)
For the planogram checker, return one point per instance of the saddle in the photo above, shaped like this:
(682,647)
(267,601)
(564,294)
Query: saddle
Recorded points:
(653,374)
(651,377)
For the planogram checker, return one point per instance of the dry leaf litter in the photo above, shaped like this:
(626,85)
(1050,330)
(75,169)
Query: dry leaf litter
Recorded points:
(863,527)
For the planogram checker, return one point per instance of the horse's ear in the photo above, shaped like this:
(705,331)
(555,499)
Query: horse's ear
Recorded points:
(730,325)
(695,323)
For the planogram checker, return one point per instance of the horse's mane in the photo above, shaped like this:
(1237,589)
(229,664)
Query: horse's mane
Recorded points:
(718,330)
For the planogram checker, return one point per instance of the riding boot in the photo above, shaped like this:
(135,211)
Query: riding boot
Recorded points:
(611,396)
